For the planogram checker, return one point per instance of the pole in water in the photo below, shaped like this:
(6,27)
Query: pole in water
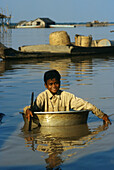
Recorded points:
(32,99)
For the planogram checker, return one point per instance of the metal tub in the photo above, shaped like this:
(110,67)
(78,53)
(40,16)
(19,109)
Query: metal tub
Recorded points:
(62,118)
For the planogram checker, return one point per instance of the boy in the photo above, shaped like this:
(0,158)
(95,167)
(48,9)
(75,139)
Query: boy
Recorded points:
(53,99)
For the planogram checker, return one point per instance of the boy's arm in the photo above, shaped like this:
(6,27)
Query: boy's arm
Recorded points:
(37,106)
(27,111)
(81,104)
(99,114)
(29,114)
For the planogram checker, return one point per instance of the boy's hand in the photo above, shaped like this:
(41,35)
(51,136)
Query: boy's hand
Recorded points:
(28,114)
(106,120)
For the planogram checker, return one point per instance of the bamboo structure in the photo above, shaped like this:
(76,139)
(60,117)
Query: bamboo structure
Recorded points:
(5,20)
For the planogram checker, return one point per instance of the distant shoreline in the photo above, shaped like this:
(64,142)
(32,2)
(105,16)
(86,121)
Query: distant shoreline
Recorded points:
(87,24)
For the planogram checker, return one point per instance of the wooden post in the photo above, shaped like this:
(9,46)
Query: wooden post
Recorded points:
(32,99)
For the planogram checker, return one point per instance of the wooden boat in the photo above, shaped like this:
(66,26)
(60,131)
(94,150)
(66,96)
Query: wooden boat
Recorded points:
(57,119)
(10,53)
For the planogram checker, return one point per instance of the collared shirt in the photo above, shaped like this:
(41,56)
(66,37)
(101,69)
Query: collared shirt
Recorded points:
(63,101)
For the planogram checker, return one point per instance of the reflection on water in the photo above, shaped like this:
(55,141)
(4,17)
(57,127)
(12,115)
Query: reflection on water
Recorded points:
(71,69)
(6,36)
(54,147)
(82,68)
(78,69)
(57,142)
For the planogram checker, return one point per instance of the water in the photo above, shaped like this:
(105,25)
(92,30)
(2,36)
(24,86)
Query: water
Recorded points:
(92,78)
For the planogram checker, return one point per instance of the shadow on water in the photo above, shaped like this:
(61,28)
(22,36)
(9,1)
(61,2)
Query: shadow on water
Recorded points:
(1,116)
(59,143)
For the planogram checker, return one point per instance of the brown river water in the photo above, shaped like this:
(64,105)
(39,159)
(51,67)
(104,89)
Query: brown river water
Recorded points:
(89,146)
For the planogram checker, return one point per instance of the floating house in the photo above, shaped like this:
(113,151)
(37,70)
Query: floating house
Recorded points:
(96,23)
(37,23)
(43,22)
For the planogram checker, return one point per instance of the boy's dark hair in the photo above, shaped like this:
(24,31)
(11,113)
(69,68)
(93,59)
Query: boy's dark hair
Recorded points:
(51,74)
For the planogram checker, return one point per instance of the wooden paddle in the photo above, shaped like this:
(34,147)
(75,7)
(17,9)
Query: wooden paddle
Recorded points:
(32,99)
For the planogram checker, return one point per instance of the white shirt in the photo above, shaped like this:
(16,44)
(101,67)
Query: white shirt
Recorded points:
(63,101)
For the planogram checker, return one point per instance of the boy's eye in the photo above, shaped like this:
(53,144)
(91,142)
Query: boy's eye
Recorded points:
(53,83)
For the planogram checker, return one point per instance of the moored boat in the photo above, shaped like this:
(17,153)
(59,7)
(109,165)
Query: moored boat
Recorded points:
(60,46)
(60,51)
(27,26)
(63,25)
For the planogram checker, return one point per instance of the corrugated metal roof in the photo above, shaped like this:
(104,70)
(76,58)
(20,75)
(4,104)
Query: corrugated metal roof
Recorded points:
(47,20)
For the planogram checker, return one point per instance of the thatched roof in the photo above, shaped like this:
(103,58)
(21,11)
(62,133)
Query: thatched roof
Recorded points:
(2,16)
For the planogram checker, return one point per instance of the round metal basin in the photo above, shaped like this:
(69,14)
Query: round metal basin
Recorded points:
(62,118)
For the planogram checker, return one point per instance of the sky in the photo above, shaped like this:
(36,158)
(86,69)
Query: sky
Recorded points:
(59,10)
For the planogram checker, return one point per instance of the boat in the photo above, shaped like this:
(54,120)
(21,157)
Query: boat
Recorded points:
(27,26)
(63,25)
(55,51)
(57,119)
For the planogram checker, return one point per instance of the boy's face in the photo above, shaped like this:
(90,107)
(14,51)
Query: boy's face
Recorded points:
(53,85)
